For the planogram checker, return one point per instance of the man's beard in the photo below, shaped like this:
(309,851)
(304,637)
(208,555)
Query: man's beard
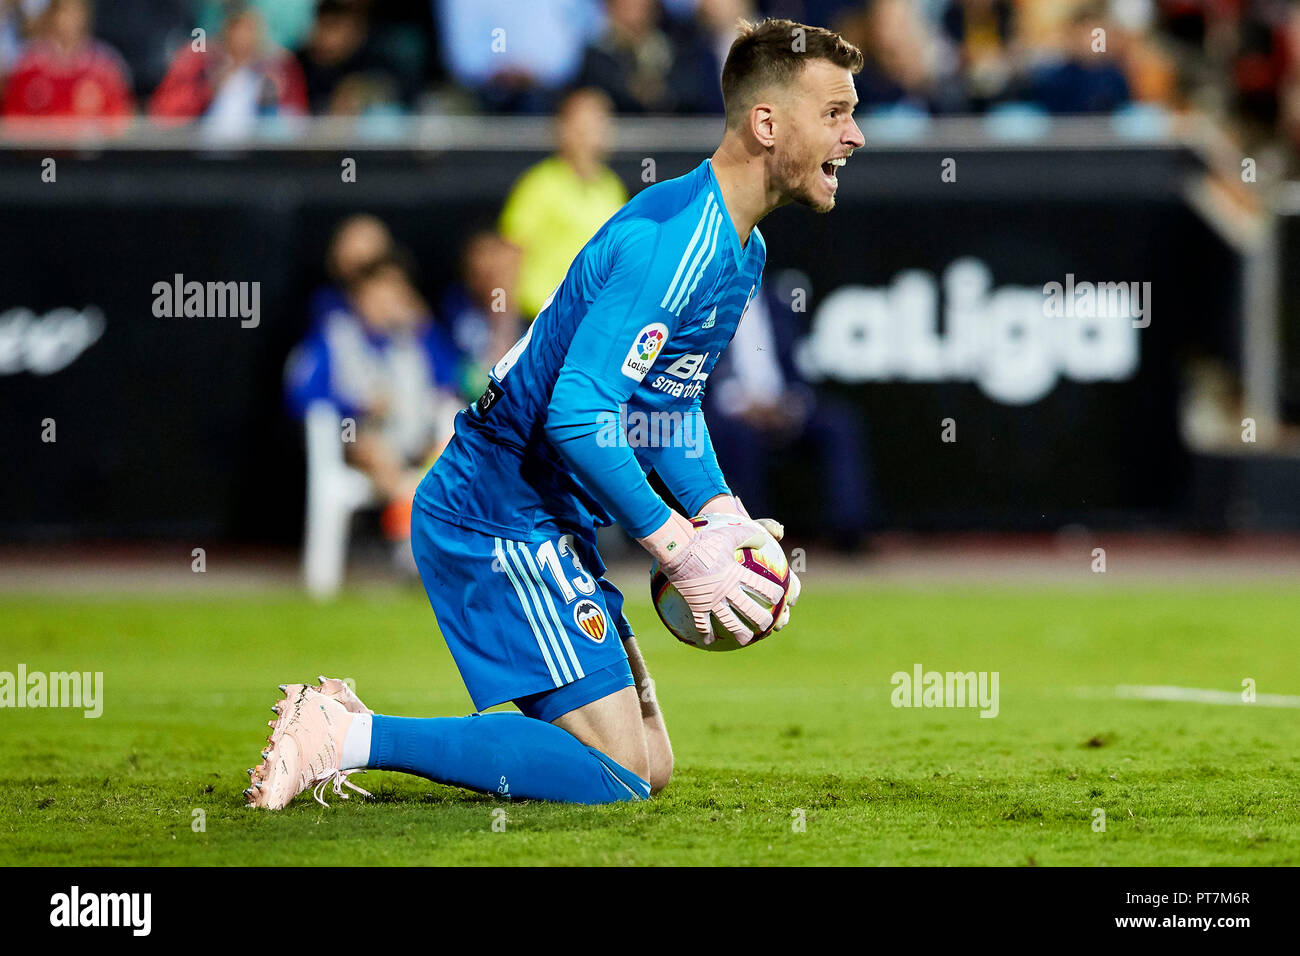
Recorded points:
(793,176)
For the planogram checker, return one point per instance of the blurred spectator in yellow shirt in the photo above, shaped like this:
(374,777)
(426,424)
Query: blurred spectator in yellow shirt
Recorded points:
(557,205)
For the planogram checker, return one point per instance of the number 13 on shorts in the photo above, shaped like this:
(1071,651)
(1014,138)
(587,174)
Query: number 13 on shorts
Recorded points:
(567,607)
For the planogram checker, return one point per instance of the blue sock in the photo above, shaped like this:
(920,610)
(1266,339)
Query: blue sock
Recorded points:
(509,754)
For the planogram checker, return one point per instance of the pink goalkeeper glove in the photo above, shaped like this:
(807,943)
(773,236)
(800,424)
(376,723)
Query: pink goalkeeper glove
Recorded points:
(776,530)
(713,584)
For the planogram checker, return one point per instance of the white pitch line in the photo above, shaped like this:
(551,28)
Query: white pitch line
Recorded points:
(1198,695)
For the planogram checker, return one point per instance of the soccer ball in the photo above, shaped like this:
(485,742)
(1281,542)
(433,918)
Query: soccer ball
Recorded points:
(768,560)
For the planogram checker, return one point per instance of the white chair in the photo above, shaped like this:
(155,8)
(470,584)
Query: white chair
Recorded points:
(335,492)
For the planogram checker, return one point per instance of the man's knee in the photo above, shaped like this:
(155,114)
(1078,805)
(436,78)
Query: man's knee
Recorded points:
(631,754)
(661,771)
(659,754)
(648,754)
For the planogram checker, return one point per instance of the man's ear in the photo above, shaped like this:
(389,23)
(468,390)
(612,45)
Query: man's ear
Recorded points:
(762,124)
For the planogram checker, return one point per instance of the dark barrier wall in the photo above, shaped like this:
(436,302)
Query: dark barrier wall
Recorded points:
(923,302)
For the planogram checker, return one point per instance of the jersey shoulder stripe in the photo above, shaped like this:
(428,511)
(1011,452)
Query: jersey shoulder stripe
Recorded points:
(698,269)
(703,243)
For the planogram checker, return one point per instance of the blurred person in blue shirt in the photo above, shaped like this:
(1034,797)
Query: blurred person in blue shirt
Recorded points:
(378,357)
(516,55)
(1079,78)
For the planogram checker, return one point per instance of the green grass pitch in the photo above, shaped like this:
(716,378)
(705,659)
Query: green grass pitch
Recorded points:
(800,727)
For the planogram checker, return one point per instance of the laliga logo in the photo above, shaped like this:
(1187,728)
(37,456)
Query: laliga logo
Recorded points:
(645,346)
(649,344)
(1014,342)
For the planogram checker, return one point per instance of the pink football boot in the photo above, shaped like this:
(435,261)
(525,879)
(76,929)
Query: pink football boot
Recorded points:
(305,749)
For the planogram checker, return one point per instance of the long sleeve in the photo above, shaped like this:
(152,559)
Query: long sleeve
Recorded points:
(614,346)
(687,463)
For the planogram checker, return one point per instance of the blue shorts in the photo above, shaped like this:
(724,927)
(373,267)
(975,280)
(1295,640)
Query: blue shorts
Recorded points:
(531,621)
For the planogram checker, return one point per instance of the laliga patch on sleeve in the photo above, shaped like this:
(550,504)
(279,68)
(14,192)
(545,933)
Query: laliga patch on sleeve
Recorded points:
(645,349)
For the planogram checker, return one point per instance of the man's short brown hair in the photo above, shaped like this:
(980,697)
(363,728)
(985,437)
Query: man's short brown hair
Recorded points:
(772,53)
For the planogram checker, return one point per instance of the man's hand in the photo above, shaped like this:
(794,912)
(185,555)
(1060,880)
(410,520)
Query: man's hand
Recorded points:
(703,567)
(731,504)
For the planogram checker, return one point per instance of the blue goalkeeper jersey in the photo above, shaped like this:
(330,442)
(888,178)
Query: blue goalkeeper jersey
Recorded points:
(606,384)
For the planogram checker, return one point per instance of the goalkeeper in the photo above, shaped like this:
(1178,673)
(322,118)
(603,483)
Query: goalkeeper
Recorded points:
(503,524)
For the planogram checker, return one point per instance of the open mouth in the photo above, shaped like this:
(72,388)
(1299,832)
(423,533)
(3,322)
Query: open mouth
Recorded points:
(830,169)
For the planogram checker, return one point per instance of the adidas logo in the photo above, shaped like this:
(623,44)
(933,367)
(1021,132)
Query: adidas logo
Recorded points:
(711,320)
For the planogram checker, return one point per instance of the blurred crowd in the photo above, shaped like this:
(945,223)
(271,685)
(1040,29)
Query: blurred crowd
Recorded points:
(227,63)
